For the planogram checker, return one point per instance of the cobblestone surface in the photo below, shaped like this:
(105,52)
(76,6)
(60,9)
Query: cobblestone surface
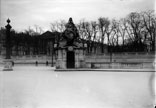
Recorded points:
(30,86)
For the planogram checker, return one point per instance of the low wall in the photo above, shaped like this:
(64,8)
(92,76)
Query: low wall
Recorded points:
(30,59)
(123,57)
(121,65)
(122,60)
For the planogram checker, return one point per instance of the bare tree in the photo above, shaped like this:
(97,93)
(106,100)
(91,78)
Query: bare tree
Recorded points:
(113,33)
(86,27)
(38,30)
(136,27)
(29,31)
(58,26)
(110,28)
(53,27)
(62,25)
(94,29)
(103,26)
(80,29)
(149,21)
(122,30)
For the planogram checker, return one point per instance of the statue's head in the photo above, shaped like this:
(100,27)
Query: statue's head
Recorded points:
(70,20)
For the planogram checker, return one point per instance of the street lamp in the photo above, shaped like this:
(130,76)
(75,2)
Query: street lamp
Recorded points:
(8,61)
(54,47)
(110,56)
(85,45)
(84,48)
(8,27)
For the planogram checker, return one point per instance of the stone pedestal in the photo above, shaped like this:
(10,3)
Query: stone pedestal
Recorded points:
(79,58)
(70,49)
(7,65)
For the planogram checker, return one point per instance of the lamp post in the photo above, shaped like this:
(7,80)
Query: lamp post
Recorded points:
(8,27)
(8,61)
(52,59)
(110,56)
(84,48)
(54,47)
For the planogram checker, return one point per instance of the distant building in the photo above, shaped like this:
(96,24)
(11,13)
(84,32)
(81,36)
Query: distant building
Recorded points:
(39,45)
(46,42)
(2,44)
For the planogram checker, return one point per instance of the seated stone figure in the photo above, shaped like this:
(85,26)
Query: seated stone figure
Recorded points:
(71,33)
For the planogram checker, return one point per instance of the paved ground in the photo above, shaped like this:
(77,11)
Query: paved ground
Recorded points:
(41,87)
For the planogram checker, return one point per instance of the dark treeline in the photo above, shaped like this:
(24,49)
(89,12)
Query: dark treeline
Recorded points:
(29,43)
(135,33)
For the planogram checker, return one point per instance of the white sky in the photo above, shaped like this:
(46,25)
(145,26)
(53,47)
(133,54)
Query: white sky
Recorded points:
(25,13)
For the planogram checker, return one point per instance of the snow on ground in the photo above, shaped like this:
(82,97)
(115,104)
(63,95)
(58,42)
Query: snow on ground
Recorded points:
(41,87)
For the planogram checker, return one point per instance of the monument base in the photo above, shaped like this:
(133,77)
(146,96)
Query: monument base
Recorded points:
(7,65)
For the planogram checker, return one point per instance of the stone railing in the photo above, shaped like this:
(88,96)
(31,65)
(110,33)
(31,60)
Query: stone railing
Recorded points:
(121,65)
(30,59)
(116,60)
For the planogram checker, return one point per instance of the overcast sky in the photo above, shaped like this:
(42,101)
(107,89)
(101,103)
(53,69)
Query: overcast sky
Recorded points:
(25,13)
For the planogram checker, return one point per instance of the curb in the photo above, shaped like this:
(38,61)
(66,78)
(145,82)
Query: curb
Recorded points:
(106,70)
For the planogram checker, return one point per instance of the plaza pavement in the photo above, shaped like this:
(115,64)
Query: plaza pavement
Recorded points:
(30,86)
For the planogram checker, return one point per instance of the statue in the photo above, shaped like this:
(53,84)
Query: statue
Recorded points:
(69,48)
(71,32)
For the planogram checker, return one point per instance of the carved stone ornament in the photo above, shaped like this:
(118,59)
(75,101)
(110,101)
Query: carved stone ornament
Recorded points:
(70,48)
(69,34)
